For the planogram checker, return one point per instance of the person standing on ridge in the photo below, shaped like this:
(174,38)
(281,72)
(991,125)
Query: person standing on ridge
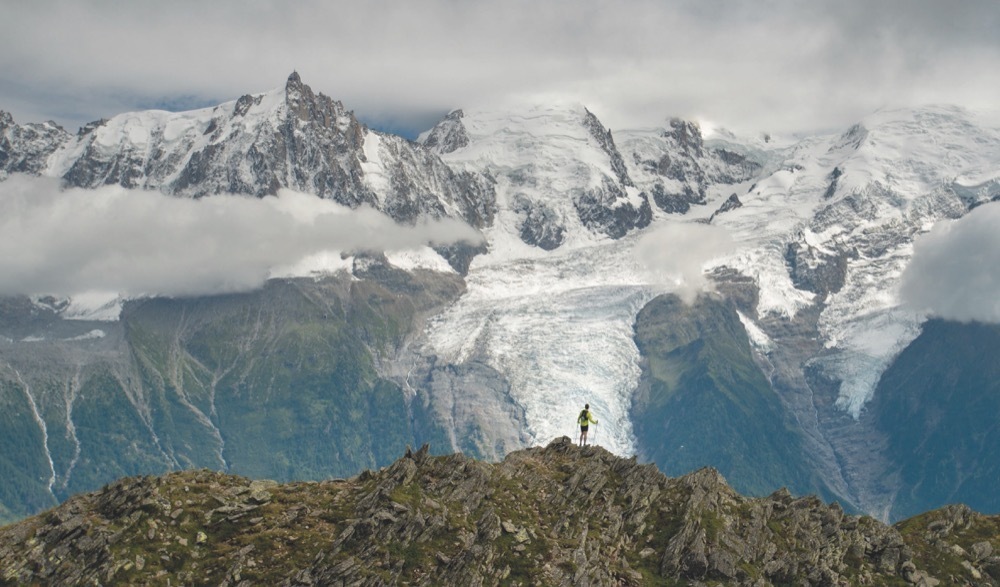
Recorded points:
(584,420)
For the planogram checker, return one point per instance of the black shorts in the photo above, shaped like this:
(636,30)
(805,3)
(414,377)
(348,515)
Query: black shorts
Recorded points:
(583,428)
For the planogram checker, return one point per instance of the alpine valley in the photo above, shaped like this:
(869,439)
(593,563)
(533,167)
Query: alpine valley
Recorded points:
(784,358)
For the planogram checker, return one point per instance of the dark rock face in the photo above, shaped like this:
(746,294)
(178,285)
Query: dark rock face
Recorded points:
(448,135)
(676,203)
(834,179)
(559,515)
(541,226)
(686,136)
(817,271)
(681,164)
(607,209)
(681,167)
(732,202)
(736,167)
(25,148)
(607,143)
(460,255)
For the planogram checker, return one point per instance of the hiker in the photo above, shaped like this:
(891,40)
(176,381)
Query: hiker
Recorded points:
(584,420)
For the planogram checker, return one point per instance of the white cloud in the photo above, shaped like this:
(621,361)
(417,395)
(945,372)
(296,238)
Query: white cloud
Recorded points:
(677,254)
(64,242)
(954,271)
(772,65)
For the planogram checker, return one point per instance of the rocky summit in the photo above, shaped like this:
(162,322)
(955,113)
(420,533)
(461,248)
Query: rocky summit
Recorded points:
(558,515)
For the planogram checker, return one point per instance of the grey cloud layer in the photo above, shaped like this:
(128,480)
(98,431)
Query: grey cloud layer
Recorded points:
(954,271)
(769,65)
(134,242)
(677,253)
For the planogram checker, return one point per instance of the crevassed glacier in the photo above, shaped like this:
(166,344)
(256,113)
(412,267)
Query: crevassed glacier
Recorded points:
(560,328)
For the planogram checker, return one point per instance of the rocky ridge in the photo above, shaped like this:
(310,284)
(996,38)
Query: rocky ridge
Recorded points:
(558,515)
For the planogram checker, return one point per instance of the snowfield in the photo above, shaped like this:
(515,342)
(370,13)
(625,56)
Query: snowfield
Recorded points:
(560,328)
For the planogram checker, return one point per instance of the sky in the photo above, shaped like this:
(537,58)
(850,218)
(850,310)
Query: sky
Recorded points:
(780,66)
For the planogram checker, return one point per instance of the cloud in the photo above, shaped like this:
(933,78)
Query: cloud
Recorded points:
(953,273)
(677,253)
(65,242)
(773,65)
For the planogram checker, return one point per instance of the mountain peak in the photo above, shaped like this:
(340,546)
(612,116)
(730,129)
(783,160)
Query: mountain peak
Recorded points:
(447,135)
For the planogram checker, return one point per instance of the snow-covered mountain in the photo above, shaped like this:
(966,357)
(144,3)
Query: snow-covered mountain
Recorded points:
(821,229)
(289,137)
(559,177)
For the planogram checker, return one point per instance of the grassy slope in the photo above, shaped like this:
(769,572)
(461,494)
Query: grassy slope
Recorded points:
(285,376)
(705,402)
(939,404)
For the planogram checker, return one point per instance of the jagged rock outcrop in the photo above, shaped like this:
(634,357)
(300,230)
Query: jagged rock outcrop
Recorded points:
(558,515)
(610,210)
(448,135)
(25,148)
(815,269)
(676,167)
(731,203)
(540,225)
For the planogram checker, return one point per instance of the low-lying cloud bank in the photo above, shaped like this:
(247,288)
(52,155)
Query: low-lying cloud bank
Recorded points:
(64,242)
(678,252)
(955,270)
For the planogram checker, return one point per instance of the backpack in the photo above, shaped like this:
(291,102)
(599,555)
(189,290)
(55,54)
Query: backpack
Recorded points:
(584,418)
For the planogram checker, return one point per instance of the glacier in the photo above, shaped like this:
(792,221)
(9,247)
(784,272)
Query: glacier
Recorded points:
(559,327)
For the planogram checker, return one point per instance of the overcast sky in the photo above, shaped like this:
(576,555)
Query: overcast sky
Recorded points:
(762,65)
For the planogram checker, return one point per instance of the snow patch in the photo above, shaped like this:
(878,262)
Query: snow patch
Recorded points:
(93,334)
(373,168)
(758,337)
(316,265)
(94,306)
(423,258)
